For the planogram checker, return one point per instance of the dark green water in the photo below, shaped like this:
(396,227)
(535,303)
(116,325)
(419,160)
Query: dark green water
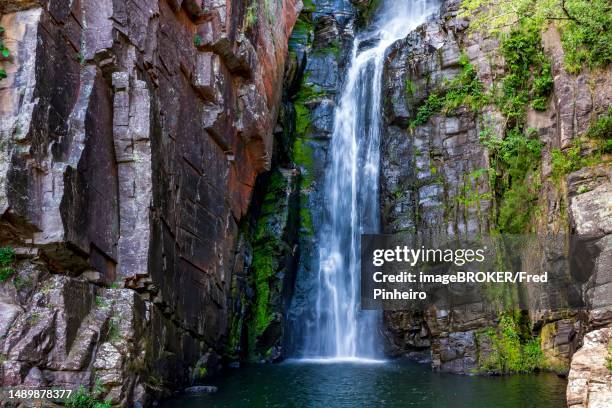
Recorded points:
(391,384)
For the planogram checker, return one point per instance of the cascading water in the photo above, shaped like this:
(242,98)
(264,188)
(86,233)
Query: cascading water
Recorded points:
(340,330)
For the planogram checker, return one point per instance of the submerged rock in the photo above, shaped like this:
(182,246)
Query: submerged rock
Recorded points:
(201,389)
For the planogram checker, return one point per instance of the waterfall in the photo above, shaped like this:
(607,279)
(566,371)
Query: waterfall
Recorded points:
(340,330)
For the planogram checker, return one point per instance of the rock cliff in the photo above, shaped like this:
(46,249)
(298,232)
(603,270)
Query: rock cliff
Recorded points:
(131,137)
(441,178)
(161,168)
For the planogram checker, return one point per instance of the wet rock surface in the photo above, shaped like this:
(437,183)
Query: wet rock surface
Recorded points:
(132,135)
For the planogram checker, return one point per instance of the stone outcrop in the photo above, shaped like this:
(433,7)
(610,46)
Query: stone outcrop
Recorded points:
(131,137)
(590,376)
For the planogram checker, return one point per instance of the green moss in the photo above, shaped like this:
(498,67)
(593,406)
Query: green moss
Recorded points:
(609,357)
(306,219)
(269,250)
(409,87)
(7,258)
(366,11)
(303,31)
(303,158)
(202,371)
(251,15)
(332,48)
(4,53)
(308,6)
(306,94)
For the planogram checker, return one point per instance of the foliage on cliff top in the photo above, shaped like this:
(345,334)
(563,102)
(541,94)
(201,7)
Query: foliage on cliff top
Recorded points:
(584,24)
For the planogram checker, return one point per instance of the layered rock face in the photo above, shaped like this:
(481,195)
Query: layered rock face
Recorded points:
(132,134)
(433,186)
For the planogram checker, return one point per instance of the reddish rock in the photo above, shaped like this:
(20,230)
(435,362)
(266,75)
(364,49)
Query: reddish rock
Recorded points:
(132,135)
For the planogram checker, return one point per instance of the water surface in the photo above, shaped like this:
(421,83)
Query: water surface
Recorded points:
(390,384)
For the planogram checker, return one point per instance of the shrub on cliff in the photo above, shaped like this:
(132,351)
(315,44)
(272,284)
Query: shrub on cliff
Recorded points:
(4,52)
(584,25)
(513,349)
(7,257)
(82,398)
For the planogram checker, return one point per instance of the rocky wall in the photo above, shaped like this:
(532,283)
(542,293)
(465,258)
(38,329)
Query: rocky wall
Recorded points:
(132,134)
(433,187)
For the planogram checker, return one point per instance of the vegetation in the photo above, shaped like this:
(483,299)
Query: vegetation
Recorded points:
(268,252)
(302,152)
(250,17)
(465,89)
(597,139)
(514,160)
(513,349)
(82,398)
(584,25)
(4,52)
(528,77)
(515,157)
(515,154)
(7,258)
(113,333)
(609,357)
(332,48)
(306,94)
(601,132)
(366,11)
(565,162)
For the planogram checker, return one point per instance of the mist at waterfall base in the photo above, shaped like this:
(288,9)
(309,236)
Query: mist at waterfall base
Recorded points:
(391,384)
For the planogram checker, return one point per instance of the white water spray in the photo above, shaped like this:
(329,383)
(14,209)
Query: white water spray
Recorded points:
(341,332)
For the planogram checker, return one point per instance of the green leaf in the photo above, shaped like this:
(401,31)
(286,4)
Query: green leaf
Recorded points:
(5,52)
